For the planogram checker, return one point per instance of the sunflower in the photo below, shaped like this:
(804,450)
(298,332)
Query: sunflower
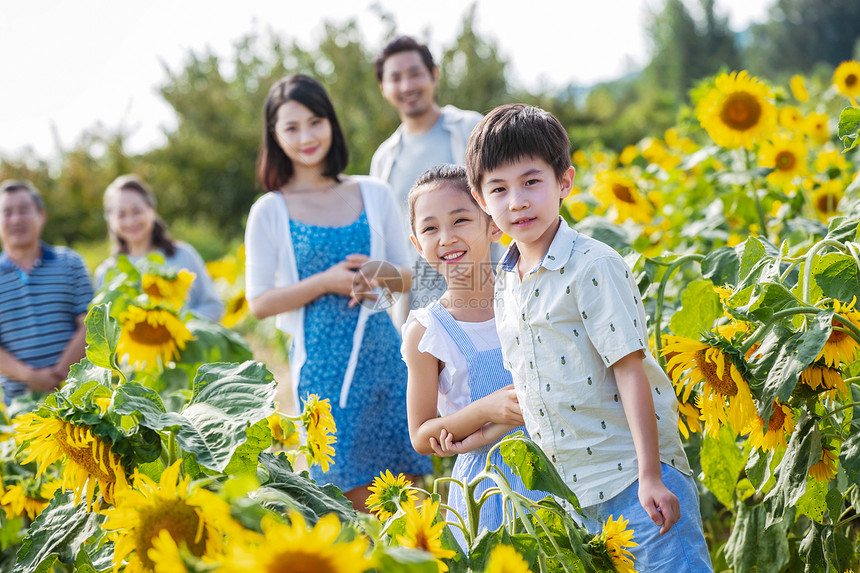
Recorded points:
(737,112)
(786,156)
(28,498)
(615,191)
(830,161)
(775,433)
(298,549)
(846,78)
(506,559)
(89,459)
(389,493)
(628,154)
(236,309)
(169,290)
(726,397)
(824,469)
(165,555)
(818,375)
(840,346)
(826,198)
(422,534)
(192,516)
(320,428)
(798,88)
(816,127)
(791,118)
(151,335)
(284,431)
(655,152)
(688,420)
(615,539)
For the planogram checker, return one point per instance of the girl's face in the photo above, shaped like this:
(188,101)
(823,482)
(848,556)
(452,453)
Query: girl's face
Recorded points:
(131,218)
(451,232)
(304,137)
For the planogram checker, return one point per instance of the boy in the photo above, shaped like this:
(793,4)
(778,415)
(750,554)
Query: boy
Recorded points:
(573,336)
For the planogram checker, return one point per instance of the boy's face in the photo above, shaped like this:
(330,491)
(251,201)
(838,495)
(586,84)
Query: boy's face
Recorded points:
(523,199)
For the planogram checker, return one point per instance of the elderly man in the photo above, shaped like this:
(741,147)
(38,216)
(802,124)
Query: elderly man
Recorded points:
(44,295)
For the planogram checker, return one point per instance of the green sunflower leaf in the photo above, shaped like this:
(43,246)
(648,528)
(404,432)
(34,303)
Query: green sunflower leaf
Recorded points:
(529,462)
(838,276)
(803,450)
(700,307)
(849,128)
(751,547)
(102,336)
(722,462)
(57,534)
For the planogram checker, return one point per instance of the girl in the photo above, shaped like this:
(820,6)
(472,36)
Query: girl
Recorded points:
(451,347)
(305,240)
(136,229)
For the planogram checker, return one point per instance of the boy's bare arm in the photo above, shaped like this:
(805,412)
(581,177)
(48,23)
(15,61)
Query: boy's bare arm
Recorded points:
(635,392)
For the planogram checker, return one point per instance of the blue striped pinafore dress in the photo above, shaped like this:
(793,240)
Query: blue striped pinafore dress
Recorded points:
(486,375)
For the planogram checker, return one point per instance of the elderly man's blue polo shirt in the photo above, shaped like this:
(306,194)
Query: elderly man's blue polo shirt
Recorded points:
(38,309)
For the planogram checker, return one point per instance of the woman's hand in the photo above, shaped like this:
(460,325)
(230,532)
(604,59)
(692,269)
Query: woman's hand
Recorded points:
(340,278)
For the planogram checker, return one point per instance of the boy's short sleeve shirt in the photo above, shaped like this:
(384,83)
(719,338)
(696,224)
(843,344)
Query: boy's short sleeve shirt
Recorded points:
(562,327)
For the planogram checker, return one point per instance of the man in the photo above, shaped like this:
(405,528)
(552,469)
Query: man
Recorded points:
(44,294)
(427,136)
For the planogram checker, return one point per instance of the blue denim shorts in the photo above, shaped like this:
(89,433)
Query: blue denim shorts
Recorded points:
(682,549)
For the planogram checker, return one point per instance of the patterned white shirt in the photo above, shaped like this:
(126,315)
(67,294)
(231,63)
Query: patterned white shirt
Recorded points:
(562,327)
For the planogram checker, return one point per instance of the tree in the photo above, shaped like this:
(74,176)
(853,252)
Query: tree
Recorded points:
(802,33)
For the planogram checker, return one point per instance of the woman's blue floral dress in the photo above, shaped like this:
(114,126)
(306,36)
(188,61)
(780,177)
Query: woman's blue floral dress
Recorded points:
(372,431)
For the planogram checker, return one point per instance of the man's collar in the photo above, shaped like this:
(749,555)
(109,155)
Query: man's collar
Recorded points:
(556,256)
(48,254)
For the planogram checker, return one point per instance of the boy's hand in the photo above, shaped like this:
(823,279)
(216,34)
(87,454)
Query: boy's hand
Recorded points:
(660,504)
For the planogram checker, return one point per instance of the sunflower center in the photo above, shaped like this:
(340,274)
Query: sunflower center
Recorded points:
(150,335)
(153,290)
(181,522)
(622,192)
(722,384)
(836,335)
(95,458)
(827,202)
(740,111)
(777,419)
(785,161)
(851,80)
(422,541)
(298,561)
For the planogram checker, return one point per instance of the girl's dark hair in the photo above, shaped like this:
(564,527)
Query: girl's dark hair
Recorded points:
(446,174)
(274,168)
(160,238)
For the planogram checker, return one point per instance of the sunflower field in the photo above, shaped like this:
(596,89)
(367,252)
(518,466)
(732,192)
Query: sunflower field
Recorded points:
(165,450)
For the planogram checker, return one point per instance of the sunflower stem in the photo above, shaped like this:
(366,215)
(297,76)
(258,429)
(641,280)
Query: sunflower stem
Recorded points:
(661,293)
(837,410)
(171,448)
(764,328)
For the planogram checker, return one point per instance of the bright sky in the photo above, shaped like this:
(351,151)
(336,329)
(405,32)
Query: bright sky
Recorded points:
(68,66)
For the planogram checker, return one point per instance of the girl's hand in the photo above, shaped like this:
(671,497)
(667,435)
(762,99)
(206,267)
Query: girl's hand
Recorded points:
(503,407)
(339,278)
(446,446)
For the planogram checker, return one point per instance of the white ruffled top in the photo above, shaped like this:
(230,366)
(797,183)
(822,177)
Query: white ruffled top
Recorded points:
(454,377)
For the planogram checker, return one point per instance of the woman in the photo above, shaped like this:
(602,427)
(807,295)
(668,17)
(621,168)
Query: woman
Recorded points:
(136,230)
(305,240)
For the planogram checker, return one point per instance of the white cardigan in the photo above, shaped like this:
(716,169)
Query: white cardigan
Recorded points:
(270,262)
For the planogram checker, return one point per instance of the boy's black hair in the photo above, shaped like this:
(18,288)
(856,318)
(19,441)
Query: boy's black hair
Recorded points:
(512,132)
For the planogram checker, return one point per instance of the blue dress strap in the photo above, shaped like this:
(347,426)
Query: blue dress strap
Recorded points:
(455,331)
